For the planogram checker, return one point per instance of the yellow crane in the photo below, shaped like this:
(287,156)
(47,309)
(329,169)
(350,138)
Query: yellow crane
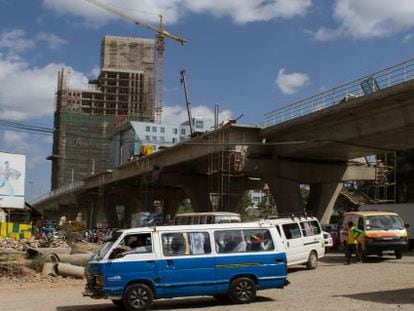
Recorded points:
(161,35)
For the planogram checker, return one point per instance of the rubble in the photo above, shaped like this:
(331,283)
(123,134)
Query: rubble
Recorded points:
(52,259)
(24,244)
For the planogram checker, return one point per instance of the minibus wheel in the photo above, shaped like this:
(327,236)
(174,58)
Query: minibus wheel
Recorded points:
(242,290)
(312,261)
(138,297)
(398,254)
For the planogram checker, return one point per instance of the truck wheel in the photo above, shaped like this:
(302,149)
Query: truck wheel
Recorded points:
(312,262)
(138,297)
(242,290)
(398,254)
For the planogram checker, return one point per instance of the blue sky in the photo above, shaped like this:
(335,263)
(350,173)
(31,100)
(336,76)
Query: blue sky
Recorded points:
(248,56)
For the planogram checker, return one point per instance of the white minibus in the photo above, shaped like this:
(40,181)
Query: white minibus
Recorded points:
(303,239)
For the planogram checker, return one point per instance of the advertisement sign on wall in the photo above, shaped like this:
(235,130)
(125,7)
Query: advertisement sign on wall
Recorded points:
(12,179)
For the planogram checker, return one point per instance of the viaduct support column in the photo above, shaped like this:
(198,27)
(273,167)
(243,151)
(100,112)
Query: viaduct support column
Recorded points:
(196,188)
(286,194)
(322,198)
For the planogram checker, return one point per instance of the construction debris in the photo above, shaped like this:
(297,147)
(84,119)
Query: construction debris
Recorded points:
(56,261)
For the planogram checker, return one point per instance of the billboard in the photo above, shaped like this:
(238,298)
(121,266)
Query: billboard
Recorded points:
(12,175)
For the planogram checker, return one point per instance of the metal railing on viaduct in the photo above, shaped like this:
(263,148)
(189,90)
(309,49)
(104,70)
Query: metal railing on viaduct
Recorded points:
(366,85)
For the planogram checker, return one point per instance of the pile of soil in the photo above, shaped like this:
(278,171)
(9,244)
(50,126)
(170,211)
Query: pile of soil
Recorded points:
(14,270)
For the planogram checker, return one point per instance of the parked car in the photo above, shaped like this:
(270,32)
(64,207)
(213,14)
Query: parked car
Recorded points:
(327,238)
(332,229)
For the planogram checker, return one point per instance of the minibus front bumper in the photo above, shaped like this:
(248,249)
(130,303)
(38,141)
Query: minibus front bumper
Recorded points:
(377,245)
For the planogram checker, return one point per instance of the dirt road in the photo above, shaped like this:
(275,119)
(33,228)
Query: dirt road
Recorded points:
(380,284)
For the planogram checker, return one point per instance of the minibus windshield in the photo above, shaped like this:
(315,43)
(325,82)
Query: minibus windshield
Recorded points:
(100,254)
(384,222)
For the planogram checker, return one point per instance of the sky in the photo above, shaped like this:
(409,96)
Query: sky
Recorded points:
(247,56)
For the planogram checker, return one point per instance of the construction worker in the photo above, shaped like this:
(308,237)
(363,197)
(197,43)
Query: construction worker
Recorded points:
(352,243)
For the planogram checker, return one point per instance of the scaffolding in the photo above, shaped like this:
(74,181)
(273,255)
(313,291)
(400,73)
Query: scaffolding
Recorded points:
(84,118)
(225,170)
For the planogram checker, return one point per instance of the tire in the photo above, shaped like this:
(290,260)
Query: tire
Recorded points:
(138,297)
(312,262)
(242,290)
(398,254)
(118,303)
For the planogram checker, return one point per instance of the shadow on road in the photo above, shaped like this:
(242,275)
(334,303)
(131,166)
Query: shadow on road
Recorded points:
(164,304)
(398,296)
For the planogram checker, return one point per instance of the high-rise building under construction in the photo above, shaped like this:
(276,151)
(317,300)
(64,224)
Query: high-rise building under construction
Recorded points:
(84,118)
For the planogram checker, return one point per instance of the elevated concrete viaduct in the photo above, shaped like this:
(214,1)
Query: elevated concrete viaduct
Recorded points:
(314,149)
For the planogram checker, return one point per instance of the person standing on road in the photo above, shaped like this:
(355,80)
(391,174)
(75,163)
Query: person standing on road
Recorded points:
(352,243)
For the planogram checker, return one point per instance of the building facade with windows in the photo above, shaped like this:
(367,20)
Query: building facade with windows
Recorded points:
(85,118)
(200,125)
(128,138)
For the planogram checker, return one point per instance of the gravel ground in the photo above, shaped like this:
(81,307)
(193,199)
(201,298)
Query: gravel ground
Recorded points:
(380,284)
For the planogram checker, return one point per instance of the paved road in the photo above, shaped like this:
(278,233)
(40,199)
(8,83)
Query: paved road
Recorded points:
(380,284)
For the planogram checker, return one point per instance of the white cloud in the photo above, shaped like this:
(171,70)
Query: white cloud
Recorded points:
(289,83)
(53,41)
(33,146)
(15,41)
(174,115)
(368,19)
(29,91)
(241,11)
(407,38)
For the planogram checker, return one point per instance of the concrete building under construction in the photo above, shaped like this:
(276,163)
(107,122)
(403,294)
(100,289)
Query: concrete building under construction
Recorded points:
(84,118)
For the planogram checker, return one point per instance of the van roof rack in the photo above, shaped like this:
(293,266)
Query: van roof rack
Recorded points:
(299,214)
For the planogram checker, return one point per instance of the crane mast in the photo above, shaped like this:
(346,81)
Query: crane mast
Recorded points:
(161,34)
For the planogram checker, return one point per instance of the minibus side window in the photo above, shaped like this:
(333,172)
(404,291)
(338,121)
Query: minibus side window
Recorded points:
(229,241)
(307,229)
(315,226)
(258,240)
(185,243)
(240,241)
(292,231)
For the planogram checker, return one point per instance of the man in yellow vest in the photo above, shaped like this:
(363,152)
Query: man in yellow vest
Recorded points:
(352,243)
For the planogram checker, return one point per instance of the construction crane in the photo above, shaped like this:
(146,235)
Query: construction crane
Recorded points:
(161,35)
(187,101)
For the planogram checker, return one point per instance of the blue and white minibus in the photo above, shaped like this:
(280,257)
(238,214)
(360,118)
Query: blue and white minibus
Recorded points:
(222,260)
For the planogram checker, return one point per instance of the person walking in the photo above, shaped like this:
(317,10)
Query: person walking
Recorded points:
(352,243)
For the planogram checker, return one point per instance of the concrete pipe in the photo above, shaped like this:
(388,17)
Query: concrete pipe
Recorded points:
(75,259)
(49,268)
(33,252)
(65,269)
